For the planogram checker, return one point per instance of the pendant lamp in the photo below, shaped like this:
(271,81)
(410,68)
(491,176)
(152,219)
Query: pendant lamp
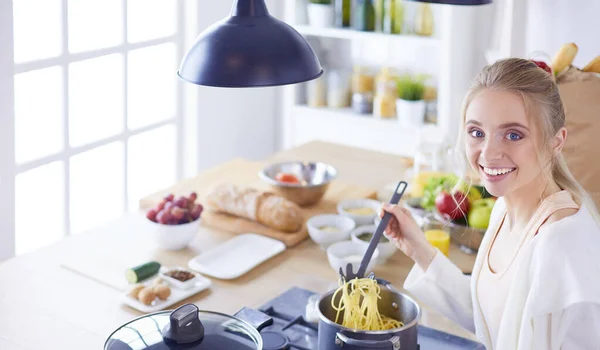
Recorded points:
(249,48)
(457,2)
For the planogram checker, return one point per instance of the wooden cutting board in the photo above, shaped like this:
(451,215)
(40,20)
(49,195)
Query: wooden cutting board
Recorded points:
(245,172)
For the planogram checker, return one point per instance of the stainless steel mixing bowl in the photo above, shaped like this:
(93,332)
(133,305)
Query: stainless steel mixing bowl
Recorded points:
(314,177)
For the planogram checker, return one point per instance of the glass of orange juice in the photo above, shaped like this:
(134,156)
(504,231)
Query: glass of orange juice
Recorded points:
(437,234)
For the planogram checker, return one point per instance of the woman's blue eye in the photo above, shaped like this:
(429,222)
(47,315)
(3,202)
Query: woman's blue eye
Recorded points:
(476,133)
(514,136)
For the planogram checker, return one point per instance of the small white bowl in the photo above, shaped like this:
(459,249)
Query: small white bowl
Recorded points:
(177,283)
(174,237)
(386,250)
(341,253)
(345,207)
(325,238)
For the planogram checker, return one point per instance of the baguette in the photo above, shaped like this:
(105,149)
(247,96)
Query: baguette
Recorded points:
(564,57)
(263,207)
(593,66)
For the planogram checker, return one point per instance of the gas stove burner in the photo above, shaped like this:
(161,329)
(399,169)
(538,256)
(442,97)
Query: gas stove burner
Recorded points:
(273,340)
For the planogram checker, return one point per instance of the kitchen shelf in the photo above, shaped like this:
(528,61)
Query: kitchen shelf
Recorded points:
(351,34)
(359,130)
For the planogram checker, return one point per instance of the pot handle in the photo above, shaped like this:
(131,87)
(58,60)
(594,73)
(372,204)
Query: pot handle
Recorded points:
(393,342)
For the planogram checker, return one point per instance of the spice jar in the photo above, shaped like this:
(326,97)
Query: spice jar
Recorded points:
(384,104)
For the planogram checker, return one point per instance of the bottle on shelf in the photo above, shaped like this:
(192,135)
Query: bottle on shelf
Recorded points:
(343,9)
(424,20)
(393,16)
(364,16)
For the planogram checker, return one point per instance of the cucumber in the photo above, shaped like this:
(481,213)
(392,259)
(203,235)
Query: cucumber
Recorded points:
(141,272)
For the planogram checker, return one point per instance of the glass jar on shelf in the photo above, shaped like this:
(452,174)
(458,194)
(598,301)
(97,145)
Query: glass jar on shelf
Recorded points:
(384,104)
(339,88)
(364,16)
(316,92)
(424,20)
(430,98)
(363,82)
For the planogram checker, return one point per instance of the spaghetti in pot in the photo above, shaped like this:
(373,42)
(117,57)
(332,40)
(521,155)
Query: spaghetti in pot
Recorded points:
(359,302)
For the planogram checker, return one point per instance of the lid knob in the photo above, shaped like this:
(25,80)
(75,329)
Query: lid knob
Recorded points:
(184,325)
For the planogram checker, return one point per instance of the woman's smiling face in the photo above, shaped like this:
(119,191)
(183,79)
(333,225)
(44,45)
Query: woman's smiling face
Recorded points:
(500,143)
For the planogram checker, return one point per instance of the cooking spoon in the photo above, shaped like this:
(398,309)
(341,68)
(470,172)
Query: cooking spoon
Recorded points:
(350,275)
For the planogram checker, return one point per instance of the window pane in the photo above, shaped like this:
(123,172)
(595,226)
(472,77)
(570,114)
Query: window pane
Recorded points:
(38,29)
(39,206)
(150,19)
(95,99)
(38,114)
(97,186)
(152,77)
(95,24)
(152,159)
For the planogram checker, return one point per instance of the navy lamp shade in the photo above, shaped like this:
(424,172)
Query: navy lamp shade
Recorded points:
(457,2)
(249,48)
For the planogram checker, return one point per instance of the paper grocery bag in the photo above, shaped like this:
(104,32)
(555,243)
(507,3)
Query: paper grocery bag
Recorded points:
(580,93)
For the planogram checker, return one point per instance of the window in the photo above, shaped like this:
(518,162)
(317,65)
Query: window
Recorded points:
(95,113)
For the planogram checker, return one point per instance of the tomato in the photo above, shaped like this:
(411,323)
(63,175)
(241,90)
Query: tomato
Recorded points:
(287,177)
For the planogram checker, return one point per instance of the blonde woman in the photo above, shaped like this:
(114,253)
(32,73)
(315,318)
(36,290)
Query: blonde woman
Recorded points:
(536,279)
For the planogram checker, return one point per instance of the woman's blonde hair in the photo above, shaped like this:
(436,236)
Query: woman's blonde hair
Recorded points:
(544,107)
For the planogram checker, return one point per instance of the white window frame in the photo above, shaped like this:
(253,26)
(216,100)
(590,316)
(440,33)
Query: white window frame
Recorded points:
(184,119)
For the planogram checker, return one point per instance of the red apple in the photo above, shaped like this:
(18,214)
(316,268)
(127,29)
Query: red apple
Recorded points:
(454,205)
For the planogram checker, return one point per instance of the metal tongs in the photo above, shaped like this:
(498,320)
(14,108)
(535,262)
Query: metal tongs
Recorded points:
(350,275)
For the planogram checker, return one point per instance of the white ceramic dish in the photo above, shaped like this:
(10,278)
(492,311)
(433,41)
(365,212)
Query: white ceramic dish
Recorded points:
(177,283)
(325,238)
(200,283)
(364,203)
(174,237)
(237,256)
(386,250)
(341,253)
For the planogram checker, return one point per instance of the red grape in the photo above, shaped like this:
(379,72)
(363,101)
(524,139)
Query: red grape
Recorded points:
(151,214)
(196,212)
(178,212)
(161,205)
(181,202)
(162,217)
(169,197)
(168,206)
(193,196)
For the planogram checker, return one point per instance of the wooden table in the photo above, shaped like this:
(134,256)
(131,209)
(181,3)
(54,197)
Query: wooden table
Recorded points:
(44,305)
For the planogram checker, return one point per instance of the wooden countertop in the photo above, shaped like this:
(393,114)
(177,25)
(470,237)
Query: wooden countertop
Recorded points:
(45,305)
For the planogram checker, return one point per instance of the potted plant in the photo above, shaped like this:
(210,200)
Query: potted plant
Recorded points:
(321,13)
(410,106)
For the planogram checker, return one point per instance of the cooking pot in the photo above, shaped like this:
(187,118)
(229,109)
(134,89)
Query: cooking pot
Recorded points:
(391,303)
(189,328)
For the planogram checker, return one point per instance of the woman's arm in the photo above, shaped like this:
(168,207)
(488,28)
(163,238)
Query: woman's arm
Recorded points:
(576,327)
(444,287)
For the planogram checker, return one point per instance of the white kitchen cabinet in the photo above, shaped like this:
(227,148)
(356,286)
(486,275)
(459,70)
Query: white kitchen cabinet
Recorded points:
(450,56)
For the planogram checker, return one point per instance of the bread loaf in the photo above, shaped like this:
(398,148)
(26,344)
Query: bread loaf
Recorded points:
(263,207)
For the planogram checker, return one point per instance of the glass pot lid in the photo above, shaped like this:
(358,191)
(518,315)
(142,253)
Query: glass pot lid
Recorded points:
(185,328)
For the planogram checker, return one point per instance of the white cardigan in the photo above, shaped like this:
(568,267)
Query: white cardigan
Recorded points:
(554,305)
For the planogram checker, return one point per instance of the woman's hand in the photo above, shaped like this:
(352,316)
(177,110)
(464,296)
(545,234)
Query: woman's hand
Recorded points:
(408,236)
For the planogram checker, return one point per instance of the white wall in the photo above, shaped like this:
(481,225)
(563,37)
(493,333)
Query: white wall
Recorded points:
(233,122)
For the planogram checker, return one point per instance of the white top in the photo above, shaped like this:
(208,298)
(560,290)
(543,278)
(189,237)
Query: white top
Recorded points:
(553,301)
